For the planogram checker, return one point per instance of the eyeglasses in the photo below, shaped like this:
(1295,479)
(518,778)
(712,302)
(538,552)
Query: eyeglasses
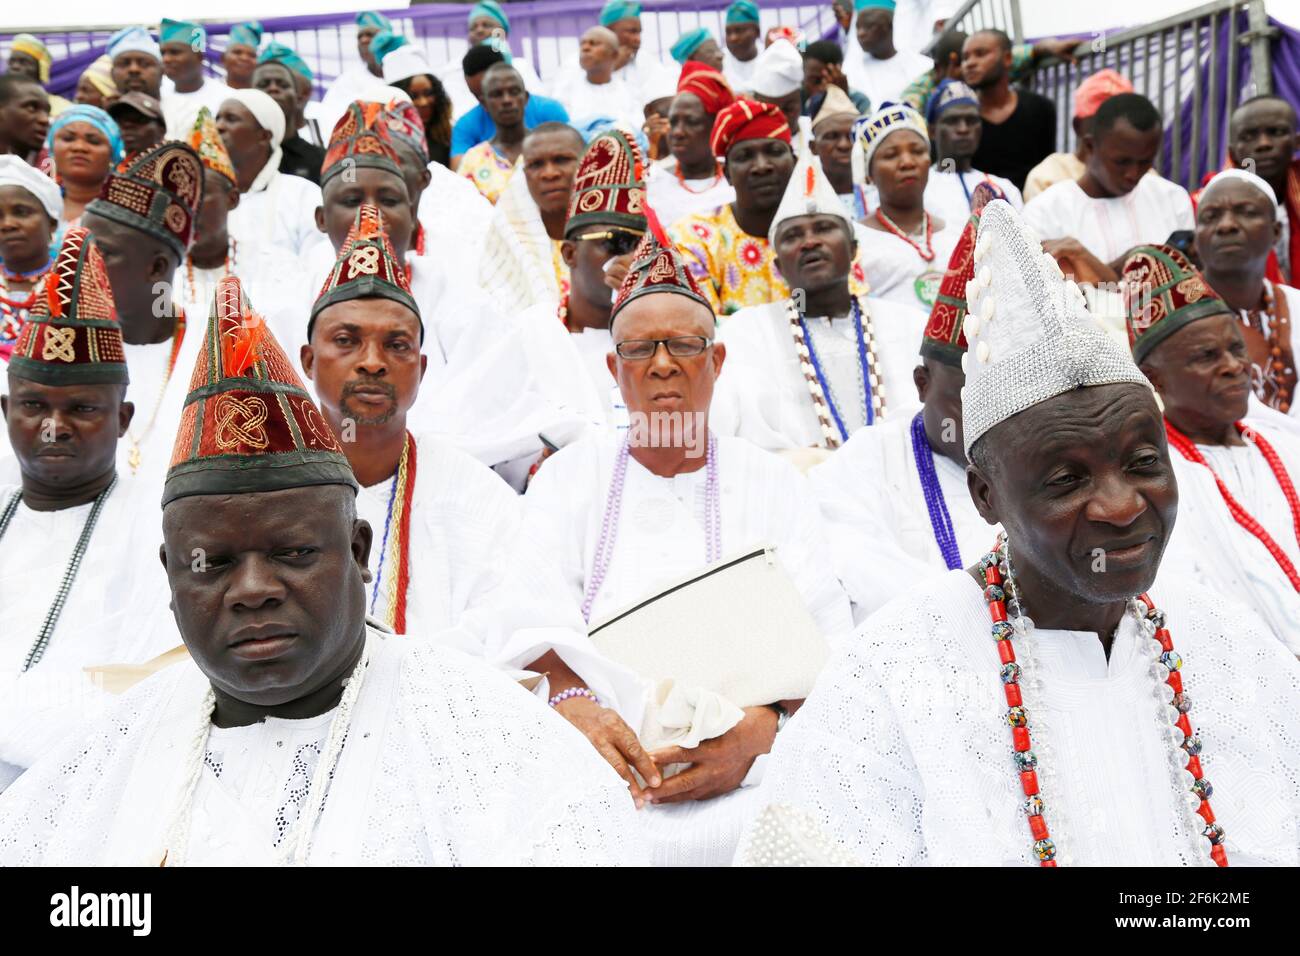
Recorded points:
(616,242)
(681,346)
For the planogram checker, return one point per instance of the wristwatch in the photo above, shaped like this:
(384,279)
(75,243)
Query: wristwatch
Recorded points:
(782,715)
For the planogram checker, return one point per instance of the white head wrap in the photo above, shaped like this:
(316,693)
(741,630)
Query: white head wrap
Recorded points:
(15,172)
(134,40)
(1245,177)
(406,61)
(778,71)
(265,110)
(1029,333)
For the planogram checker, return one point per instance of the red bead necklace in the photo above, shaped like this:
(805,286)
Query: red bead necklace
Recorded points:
(890,226)
(993,566)
(1187,448)
(717,178)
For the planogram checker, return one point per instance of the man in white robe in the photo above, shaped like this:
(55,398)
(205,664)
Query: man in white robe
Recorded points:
(953,114)
(182,45)
(898,490)
(594,88)
(444,516)
(811,370)
(70,522)
(641,72)
(875,67)
(275,208)
(669,507)
(297,732)
(944,733)
(740,58)
(1189,343)
(357,80)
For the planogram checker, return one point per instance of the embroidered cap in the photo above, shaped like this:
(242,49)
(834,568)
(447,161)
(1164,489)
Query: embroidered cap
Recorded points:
(206,141)
(72,336)
(609,186)
(360,138)
(809,193)
(366,268)
(656,268)
(248,424)
(158,193)
(943,339)
(1162,293)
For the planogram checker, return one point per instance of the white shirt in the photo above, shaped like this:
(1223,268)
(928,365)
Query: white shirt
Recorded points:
(279,210)
(462,516)
(872,500)
(763,382)
(882,81)
(645,79)
(947,194)
(354,83)
(909,719)
(895,269)
(739,73)
(1108,228)
(584,100)
(455,217)
(180,109)
(672,200)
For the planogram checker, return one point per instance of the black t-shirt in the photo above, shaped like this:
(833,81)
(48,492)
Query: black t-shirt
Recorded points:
(1023,140)
(301,158)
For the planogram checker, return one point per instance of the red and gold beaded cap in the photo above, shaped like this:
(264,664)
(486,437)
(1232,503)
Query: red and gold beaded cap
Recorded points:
(657,267)
(747,119)
(366,268)
(72,336)
(404,124)
(360,138)
(1162,293)
(158,193)
(206,141)
(609,186)
(248,424)
(943,339)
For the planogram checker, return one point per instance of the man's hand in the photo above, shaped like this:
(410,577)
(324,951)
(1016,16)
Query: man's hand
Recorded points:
(832,75)
(843,16)
(1077,262)
(656,130)
(616,270)
(1061,49)
(613,740)
(717,765)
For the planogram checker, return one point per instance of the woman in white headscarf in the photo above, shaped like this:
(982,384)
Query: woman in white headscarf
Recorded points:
(31,205)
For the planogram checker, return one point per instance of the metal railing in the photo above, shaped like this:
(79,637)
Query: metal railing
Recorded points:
(975,15)
(1196,67)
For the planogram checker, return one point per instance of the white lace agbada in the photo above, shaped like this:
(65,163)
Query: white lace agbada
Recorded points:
(446,762)
(902,754)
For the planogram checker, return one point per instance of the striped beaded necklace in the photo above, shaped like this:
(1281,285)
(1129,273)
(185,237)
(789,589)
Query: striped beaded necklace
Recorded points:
(872,387)
(69,574)
(1187,777)
(395,551)
(614,509)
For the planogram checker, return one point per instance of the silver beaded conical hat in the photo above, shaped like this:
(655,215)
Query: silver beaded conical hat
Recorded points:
(1029,333)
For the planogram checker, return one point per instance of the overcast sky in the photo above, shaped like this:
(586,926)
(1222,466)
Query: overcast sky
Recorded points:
(1040,17)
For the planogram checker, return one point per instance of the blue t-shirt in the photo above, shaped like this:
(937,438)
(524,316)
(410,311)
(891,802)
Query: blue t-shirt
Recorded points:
(477,127)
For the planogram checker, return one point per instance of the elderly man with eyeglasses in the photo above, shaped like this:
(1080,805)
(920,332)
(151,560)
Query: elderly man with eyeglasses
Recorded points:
(620,519)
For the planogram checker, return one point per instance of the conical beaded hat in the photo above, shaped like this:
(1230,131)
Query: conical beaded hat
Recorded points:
(366,268)
(943,339)
(72,336)
(206,141)
(248,424)
(158,193)
(360,138)
(1029,332)
(609,186)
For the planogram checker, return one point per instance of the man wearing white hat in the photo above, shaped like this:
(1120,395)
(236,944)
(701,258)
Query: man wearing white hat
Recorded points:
(778,79)
(939,715)
(274,209)
(137,62)
(809,370)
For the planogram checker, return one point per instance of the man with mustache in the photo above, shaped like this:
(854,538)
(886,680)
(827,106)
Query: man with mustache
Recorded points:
(444,515)
(296,731)
(1236,464)
(811,370)
(72,589)
(137,62)
(1039,707)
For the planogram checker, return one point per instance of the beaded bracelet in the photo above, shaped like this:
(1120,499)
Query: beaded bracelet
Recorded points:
(574,692)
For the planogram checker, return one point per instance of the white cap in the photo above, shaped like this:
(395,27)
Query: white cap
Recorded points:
(265,110)
(406,61)
(809,193)
(134,40)
(1029,334)
(1245,177)
(15,172)
(778,71)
